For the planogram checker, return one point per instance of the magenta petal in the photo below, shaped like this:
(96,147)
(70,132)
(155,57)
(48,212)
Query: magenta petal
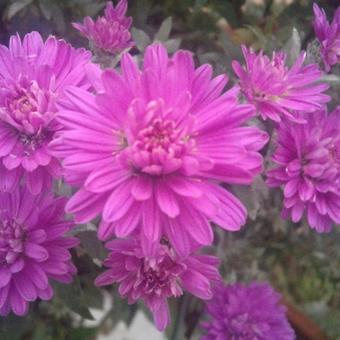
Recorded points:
(38,276)
(166,200)
(25,287)
(36,252)
(128,223)
(104,279)
(105,230)
(4,295)
(151,220)
(18,304)
(162,316)
(45,294)
(197,284)
(118,203)
(5,277)
(197,226)
(142,188)
(106,178)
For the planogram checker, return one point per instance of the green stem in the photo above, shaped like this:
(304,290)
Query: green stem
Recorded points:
(176,334)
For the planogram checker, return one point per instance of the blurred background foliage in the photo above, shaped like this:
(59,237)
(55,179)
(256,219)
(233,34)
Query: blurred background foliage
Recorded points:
(302,265)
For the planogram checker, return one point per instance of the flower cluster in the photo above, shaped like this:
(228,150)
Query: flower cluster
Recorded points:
(109,33)
(149,151)
(33,248)
(33,77)
(239,312)
(328,35)
(153,150)
(155,278)
(308,169)
(277,91)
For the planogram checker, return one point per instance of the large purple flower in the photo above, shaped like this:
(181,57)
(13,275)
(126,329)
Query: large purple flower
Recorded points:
(109,33)
(308,169)
(239,312)
(157,277)
(328,35)
(33,248)
(33,76)
(278,91)
(151,148)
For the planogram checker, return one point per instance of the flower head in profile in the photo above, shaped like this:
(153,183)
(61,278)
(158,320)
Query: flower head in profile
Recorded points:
(308,169)
(157,277)
(328,35)
(150,150)
(240,312)
(33,248)
(109,33)
(278,91)
(33,76)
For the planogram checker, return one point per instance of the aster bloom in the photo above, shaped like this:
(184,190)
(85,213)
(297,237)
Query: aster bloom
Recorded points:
(33,76)
(33,249)
(328,35)
(150,149)
(109,33)
(308,169)
(278,91)
(155,278)
(240,312)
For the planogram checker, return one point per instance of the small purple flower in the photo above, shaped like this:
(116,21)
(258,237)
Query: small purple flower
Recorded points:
(239,312)
(157,277)
(278,91)
(33,249)
(308,169)
(109,33)
(33,76)
(328,35)
(150,150)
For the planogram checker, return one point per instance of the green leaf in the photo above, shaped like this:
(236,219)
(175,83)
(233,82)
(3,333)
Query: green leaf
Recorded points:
(172,45)
(164,31)
(13,327)
(16,7)
(332,79)
(88,333)
(293,47)
(92,245)
(72,296)
(45,7)
(141,39)
(58,18)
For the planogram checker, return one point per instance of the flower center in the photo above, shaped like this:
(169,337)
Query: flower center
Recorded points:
(160,135)
(28,110)
(160,276)
(32,142)
(12,238)
(241,326)
(23,104)
(157,144)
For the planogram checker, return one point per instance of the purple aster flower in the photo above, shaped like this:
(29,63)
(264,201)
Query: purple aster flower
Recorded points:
(150,149)
(33,76)
(328,36)
(33,249)
(278,91)
(109,33)
(308,169)
(239,312)
(157,277)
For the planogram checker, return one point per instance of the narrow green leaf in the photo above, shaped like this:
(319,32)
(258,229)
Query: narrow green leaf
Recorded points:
(16,7)
(164,31)
(141,39)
